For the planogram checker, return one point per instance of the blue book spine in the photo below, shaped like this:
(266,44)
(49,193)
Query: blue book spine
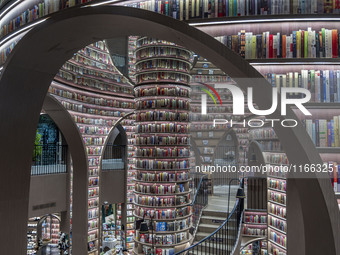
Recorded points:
(331,85)
(317,138)
(227,7)
(156,6)
(294,44)
(235,7)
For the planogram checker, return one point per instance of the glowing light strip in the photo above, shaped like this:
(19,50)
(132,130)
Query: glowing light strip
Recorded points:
(9,7)
(261,21)
(22,30)
(102,3)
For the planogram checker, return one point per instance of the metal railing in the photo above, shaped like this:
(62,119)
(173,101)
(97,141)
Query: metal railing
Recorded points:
(49,159)
(200,201)
(223,240)
(114,157)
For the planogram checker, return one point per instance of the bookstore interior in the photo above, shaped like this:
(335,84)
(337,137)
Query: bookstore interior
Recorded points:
(165,127)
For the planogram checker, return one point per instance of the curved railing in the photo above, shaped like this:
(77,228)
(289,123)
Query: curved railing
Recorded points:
(224,238)
(200,199)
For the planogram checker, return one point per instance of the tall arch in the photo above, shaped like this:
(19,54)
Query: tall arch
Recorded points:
(40,53)
(76,147)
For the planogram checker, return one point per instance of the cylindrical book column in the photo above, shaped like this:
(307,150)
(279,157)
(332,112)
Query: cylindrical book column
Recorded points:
(162,195)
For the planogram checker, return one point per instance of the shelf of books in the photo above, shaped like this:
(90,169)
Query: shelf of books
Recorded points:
(254,226)
(267,150)
(32,239)
(50,228)
(96,95)
(162,156)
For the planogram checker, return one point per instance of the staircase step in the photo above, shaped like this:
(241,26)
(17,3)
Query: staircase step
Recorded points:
(215,213)
(201,235)
(207,228)
(213,220)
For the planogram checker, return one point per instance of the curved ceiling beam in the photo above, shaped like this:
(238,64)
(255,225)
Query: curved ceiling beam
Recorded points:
(41,52)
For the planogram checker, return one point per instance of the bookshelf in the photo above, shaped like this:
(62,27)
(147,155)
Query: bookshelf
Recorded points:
(265,149)
(32,240)
(96,95)
(162,155)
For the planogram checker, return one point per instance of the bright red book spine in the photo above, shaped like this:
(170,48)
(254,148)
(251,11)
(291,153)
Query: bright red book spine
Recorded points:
(270,46)
(334,43)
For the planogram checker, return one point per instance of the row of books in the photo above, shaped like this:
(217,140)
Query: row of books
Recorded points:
(210,78)
(162,128)
(253,231)
(163,140)
(94,192)
(93,214)
(213,109)
(277,210)
(93,172)
(93,203)
(149,41)
(160,152)
(190,9)
(94,140)
(162,214)
(163,239)
(163,103)
(335,176)
(150,52)
(277,223)
(172,226)
(93,182)
(103,57)
(299,44)
(275,158)
(92,121)
(80,69)
(39,10)
(255,218)
(150,164)
(275,250)
(162,76)
(162,91)
(93,130)
(177,65)
(94,150)
(277,197)
(324,85)
(92,224)
(160,189)
(163,176)
(265,133)
(162,116)
(278,238)
(91,83)
(155,201)
(270,146)
(277,184)
(323,132)
(81,60)
(85,109)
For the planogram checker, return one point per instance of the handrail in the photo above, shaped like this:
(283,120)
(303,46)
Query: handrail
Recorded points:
(251,241)
(237,204)
(197,189)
